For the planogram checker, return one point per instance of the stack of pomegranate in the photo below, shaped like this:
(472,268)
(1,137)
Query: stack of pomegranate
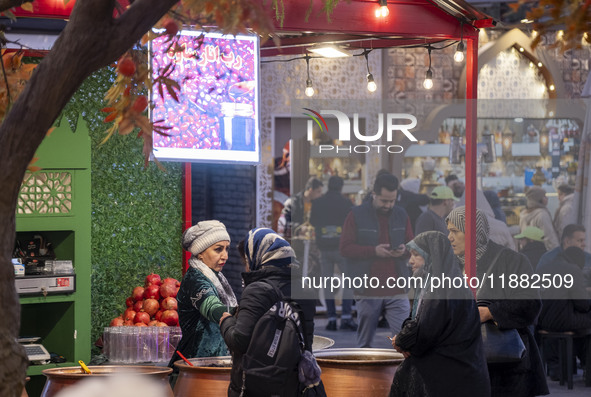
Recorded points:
(154,304)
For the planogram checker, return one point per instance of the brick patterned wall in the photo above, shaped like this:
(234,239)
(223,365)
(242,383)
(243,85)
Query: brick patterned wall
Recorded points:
(226,193)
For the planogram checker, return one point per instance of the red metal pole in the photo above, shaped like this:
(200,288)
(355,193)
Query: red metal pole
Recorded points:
(187,211)
(471,156)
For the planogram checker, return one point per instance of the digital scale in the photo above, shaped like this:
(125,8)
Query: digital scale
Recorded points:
(36,352)
(45,284)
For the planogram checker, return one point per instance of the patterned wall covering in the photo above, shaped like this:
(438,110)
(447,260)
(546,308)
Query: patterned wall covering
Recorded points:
(510,76)
(45,193)
(283,82)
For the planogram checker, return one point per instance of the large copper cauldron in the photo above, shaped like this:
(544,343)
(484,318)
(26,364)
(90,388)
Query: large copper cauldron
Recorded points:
(358,372)
(59,378)
(209,376)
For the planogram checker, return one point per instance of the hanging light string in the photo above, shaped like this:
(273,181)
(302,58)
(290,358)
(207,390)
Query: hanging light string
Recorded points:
(459,55)
(309,91)
(371,84)
(428,83)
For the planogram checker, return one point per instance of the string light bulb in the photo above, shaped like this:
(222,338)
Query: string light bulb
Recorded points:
(459,55)
(309,91)
(371,84)
(428,82)
(382,11)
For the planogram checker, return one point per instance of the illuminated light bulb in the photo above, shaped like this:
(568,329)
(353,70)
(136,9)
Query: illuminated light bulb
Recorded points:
(459,55)
(371,84)
(521,49)
(382,12)
(560,35)
(309,89)
(428,82)
(531,65)
(540,64)
(551,114)
(534,34)
(552,88)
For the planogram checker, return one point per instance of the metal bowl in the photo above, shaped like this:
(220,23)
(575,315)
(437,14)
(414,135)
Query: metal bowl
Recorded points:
(321,342)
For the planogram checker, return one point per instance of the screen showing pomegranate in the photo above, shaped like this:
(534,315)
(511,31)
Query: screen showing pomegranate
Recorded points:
(216,118)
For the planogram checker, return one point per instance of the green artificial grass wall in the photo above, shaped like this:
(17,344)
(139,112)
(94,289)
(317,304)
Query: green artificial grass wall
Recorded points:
(136,211)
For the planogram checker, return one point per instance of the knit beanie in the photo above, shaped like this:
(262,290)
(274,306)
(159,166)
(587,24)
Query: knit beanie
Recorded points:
(203,235)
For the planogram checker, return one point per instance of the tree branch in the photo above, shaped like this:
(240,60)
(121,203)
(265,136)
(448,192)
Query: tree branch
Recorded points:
(8,4)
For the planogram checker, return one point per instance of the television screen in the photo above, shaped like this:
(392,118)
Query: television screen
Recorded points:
(217,116)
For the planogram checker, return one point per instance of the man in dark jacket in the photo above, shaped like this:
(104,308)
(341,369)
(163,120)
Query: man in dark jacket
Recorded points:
(373,241)
(327,216)
(531,244)
(565,309)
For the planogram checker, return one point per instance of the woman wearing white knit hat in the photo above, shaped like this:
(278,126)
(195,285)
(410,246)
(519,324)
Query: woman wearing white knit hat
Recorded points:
(205,294)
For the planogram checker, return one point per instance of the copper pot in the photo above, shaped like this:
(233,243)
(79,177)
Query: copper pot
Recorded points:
(358,372)
(59,378)
(209,376)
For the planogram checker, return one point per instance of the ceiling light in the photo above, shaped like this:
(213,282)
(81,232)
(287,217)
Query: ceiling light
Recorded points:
(329,51)
(382,11)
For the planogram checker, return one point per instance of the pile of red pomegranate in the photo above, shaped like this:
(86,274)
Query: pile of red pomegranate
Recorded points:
(154,304)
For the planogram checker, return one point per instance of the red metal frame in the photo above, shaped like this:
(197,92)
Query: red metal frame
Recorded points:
(471,155)
(187,210)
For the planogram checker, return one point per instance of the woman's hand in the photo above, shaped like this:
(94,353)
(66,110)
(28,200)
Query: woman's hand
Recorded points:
(485,314)
(226,314)
(398,348)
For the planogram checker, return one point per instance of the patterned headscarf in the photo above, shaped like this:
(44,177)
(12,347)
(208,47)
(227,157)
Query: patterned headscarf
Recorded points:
(457,217)
(264,247)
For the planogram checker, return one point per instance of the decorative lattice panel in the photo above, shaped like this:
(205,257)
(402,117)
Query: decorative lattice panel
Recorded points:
(45,193)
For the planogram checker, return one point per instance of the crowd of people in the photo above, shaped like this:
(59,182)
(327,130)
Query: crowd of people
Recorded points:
(437,330)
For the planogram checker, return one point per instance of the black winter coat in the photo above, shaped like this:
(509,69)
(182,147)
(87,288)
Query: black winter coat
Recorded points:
(512,308)
(564,309)
(256,299)
(534,251)
(327,216)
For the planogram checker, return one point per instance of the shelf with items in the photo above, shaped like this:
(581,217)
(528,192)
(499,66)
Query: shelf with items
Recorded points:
(348,168)
(55,204)
(523,146)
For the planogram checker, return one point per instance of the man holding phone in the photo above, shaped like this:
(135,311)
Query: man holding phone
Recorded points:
(373,243)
